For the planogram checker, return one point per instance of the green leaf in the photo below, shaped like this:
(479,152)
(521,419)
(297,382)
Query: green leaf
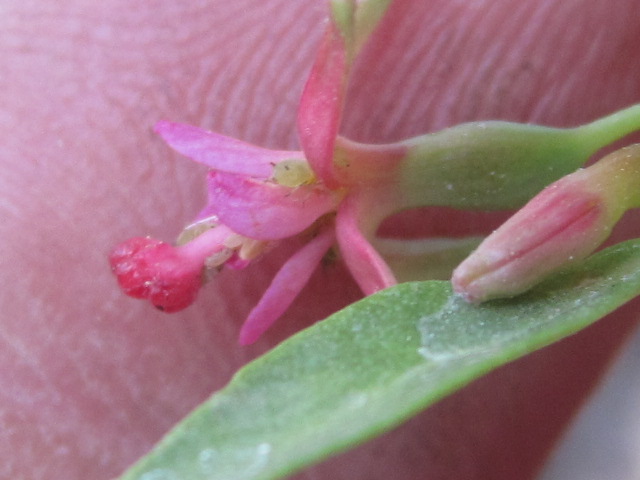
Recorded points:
(371,366)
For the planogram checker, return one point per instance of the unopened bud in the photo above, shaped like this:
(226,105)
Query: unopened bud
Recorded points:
(566,222)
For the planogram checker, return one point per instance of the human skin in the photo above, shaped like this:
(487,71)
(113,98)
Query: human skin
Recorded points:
(90,379)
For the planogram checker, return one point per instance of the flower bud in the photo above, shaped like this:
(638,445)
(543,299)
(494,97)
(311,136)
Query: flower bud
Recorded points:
(566,222)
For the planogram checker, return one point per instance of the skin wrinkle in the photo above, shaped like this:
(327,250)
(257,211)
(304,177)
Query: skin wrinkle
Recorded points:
(266,58)
(38,393)
(429,54)
(466,80)
(48,404)
(469,75)
(74,154)
(285,81)
(273,59)
(156,401)
(490,92)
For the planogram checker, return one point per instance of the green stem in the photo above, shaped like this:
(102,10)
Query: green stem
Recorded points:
(500,165)
(612,127)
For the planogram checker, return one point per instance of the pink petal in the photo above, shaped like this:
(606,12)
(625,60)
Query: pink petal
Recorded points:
(321,104)
(285,287)
(222,153)
(265,210)
(365,264)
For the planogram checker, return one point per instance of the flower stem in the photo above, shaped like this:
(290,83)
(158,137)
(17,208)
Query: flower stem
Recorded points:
(500,165)
(612,127)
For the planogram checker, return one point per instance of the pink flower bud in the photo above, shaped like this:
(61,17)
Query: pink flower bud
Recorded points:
(566,222)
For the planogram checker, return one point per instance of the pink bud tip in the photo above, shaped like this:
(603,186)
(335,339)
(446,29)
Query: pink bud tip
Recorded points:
(562,224)
(151,269)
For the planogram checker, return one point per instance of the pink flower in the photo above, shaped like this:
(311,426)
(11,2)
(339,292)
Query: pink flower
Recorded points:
(566,222)
(258,197)
(336,192)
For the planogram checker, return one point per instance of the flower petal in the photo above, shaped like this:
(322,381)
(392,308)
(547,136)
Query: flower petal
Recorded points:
(321,103)
(265,210)
(285,287)
(365,264)
(320,111)
(222,153)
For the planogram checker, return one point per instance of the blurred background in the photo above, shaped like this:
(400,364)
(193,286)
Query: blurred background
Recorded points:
(604,441)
